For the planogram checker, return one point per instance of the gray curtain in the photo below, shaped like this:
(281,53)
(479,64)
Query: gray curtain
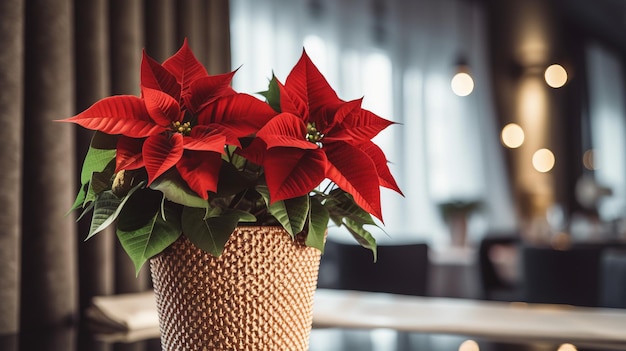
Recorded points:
(57,58)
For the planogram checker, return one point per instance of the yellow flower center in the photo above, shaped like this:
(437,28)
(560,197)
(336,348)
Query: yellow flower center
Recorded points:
(182,128)
(313,135)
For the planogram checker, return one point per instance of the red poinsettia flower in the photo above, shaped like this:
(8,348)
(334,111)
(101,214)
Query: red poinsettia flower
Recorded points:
(320,136)
(183,119)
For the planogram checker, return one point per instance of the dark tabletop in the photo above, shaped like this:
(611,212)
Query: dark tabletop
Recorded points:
(82,338)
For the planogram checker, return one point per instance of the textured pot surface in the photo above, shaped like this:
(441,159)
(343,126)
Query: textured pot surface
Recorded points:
(258,295)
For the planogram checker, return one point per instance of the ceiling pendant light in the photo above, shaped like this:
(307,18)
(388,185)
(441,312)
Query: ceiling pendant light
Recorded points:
(462,83)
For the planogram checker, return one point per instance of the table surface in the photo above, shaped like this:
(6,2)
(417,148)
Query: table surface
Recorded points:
(322,339)
(360,321)
(598,327)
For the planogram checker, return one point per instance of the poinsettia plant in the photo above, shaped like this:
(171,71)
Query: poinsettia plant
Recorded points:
(191,156)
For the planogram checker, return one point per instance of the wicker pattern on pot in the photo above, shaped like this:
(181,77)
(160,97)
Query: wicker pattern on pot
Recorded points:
(258,295)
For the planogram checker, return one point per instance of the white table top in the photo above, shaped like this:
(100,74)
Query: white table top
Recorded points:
(495,320)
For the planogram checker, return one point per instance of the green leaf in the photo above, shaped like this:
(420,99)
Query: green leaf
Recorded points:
(362,236)
(244,216)
(341,205)
(101,181)
(318,224)
(106,209)
(344,211)
(86,210)
(96,160)
(151,239)
(230,157)
(80,199)
(139,209)
(91,195)
(176,190)
(98,182)
(290,213)
(164,233)
(232,181)
(211,233)
(272,94)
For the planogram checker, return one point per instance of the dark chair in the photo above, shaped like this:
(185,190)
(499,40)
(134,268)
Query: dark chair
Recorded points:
(328,276)
(400,269)
(568,276)
(613,278)
(493,285)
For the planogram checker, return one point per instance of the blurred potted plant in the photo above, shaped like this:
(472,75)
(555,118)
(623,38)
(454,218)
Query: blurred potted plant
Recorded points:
(456,213)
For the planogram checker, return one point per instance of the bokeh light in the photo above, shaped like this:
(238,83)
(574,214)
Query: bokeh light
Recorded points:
(462,84)
(567,347)
(556,76)
(543,160)
(512,136)
(588,160)
(469,345)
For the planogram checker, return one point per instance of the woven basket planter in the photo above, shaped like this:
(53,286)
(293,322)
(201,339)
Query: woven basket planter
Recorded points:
(258,295)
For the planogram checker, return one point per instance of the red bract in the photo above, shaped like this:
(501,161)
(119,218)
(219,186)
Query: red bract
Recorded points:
(183,119)
(320,136)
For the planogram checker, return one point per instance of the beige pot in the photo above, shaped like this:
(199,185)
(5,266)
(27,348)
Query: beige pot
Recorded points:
(258,295)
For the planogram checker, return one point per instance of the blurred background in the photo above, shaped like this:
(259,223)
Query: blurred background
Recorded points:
(510,134)
(536,111)
(509,146)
